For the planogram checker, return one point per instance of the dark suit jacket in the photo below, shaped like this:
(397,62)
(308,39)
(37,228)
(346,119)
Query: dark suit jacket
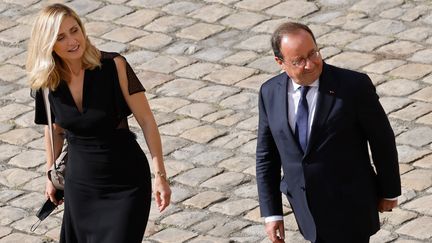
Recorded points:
(332,187)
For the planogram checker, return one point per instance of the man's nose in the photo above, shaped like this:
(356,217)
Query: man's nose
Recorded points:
(309,64)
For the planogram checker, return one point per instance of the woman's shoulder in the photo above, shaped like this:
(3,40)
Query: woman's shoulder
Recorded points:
(109,55)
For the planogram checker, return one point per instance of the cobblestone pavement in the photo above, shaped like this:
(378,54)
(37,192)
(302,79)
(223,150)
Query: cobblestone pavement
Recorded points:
(202,62)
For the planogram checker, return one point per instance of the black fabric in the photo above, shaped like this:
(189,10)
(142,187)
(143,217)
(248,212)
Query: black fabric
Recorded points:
(102,81)
(108,182)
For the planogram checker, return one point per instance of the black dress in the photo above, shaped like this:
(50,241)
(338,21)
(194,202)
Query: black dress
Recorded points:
(108,185)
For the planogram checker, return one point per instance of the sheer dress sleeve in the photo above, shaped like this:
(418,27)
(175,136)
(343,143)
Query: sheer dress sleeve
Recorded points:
(40,111)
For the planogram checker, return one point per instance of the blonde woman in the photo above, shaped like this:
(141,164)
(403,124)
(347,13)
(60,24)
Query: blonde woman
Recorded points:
(108,182)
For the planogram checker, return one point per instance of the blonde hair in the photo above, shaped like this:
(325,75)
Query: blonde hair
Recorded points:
(44,67)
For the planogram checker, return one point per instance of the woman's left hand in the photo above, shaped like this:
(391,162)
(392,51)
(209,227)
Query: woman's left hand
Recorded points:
(162,192)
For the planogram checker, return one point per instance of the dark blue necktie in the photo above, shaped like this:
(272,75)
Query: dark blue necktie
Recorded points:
(302,127)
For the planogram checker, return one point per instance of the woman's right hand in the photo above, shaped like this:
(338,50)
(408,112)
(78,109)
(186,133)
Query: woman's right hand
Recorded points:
(50,191)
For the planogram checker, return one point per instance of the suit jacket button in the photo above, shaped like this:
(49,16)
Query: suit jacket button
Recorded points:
(303,188)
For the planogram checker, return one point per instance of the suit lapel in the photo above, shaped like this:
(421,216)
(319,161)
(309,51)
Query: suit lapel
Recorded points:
(282,94)
(325,101)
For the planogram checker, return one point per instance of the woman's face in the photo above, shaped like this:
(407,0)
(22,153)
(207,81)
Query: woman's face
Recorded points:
(71,42)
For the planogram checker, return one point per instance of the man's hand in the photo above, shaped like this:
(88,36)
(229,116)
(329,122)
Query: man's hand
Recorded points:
(275,231)
(386,205)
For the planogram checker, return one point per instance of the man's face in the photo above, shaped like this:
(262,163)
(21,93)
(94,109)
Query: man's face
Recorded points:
(301,58)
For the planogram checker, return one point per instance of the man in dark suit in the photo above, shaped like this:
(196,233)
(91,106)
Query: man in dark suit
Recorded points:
(316,122)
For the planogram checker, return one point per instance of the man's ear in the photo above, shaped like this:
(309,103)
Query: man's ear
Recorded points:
(278,60)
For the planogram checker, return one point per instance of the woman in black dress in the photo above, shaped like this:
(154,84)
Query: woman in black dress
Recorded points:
(108,182)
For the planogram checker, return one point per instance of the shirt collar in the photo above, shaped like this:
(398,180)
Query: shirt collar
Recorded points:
(297,86)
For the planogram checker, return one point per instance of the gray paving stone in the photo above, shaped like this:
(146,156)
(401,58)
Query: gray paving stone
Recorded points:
(247,191)
(266,64)
(213,93)
(124,34)
(425,162)
(10,214)
(6,24)
(240,58)
(8,52)
(412,71)
(391,104)
(225,181)
(212,54)
(230,75)
(421,205)
(36,185)
(328,52)
(203,134)
(28,159)
(420,228)
(412,111)
(37,144)
(151,80)
(181,7)
(418,179)
(392,13)
(351,60)
(153,41)
(340,38)
(398,87)
(258,43)
(383,66)
(197,70)
(199,31)
(184,219)
(197,110)
(221,226)
(196,176)
(217,115)
(19,136)
(243,20)
(400,48)
(249,147)
(11,73)
(20,237)
(209,239)
(110,12)
(112,46)
(415,34)
(237,164)
(369,43)
(299,9)
(254,215)
(397,216)
(256,230)
(179,126)
(148,3)
(174,167)
(182,47)
(234,140)
(385,27)
(422,56)
(254,82)
(166,64)
(231,120)
(416,137)
(15,34)
(170,144)
(382,236)
(355,24)
(269,26)
(408,154)
(83,7)
(256,5)
(233,208)
(204,199)
(7,151)
(240,101)
(189,152)
(180,87)
(179,194)
(4,231)
(169,24)
(414,13)
(138,57)
(423,95)
(19,96)
(325,17)
(139,18)
(26,223)
(29,201)
(211,13)
(7,195)
(369,6)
